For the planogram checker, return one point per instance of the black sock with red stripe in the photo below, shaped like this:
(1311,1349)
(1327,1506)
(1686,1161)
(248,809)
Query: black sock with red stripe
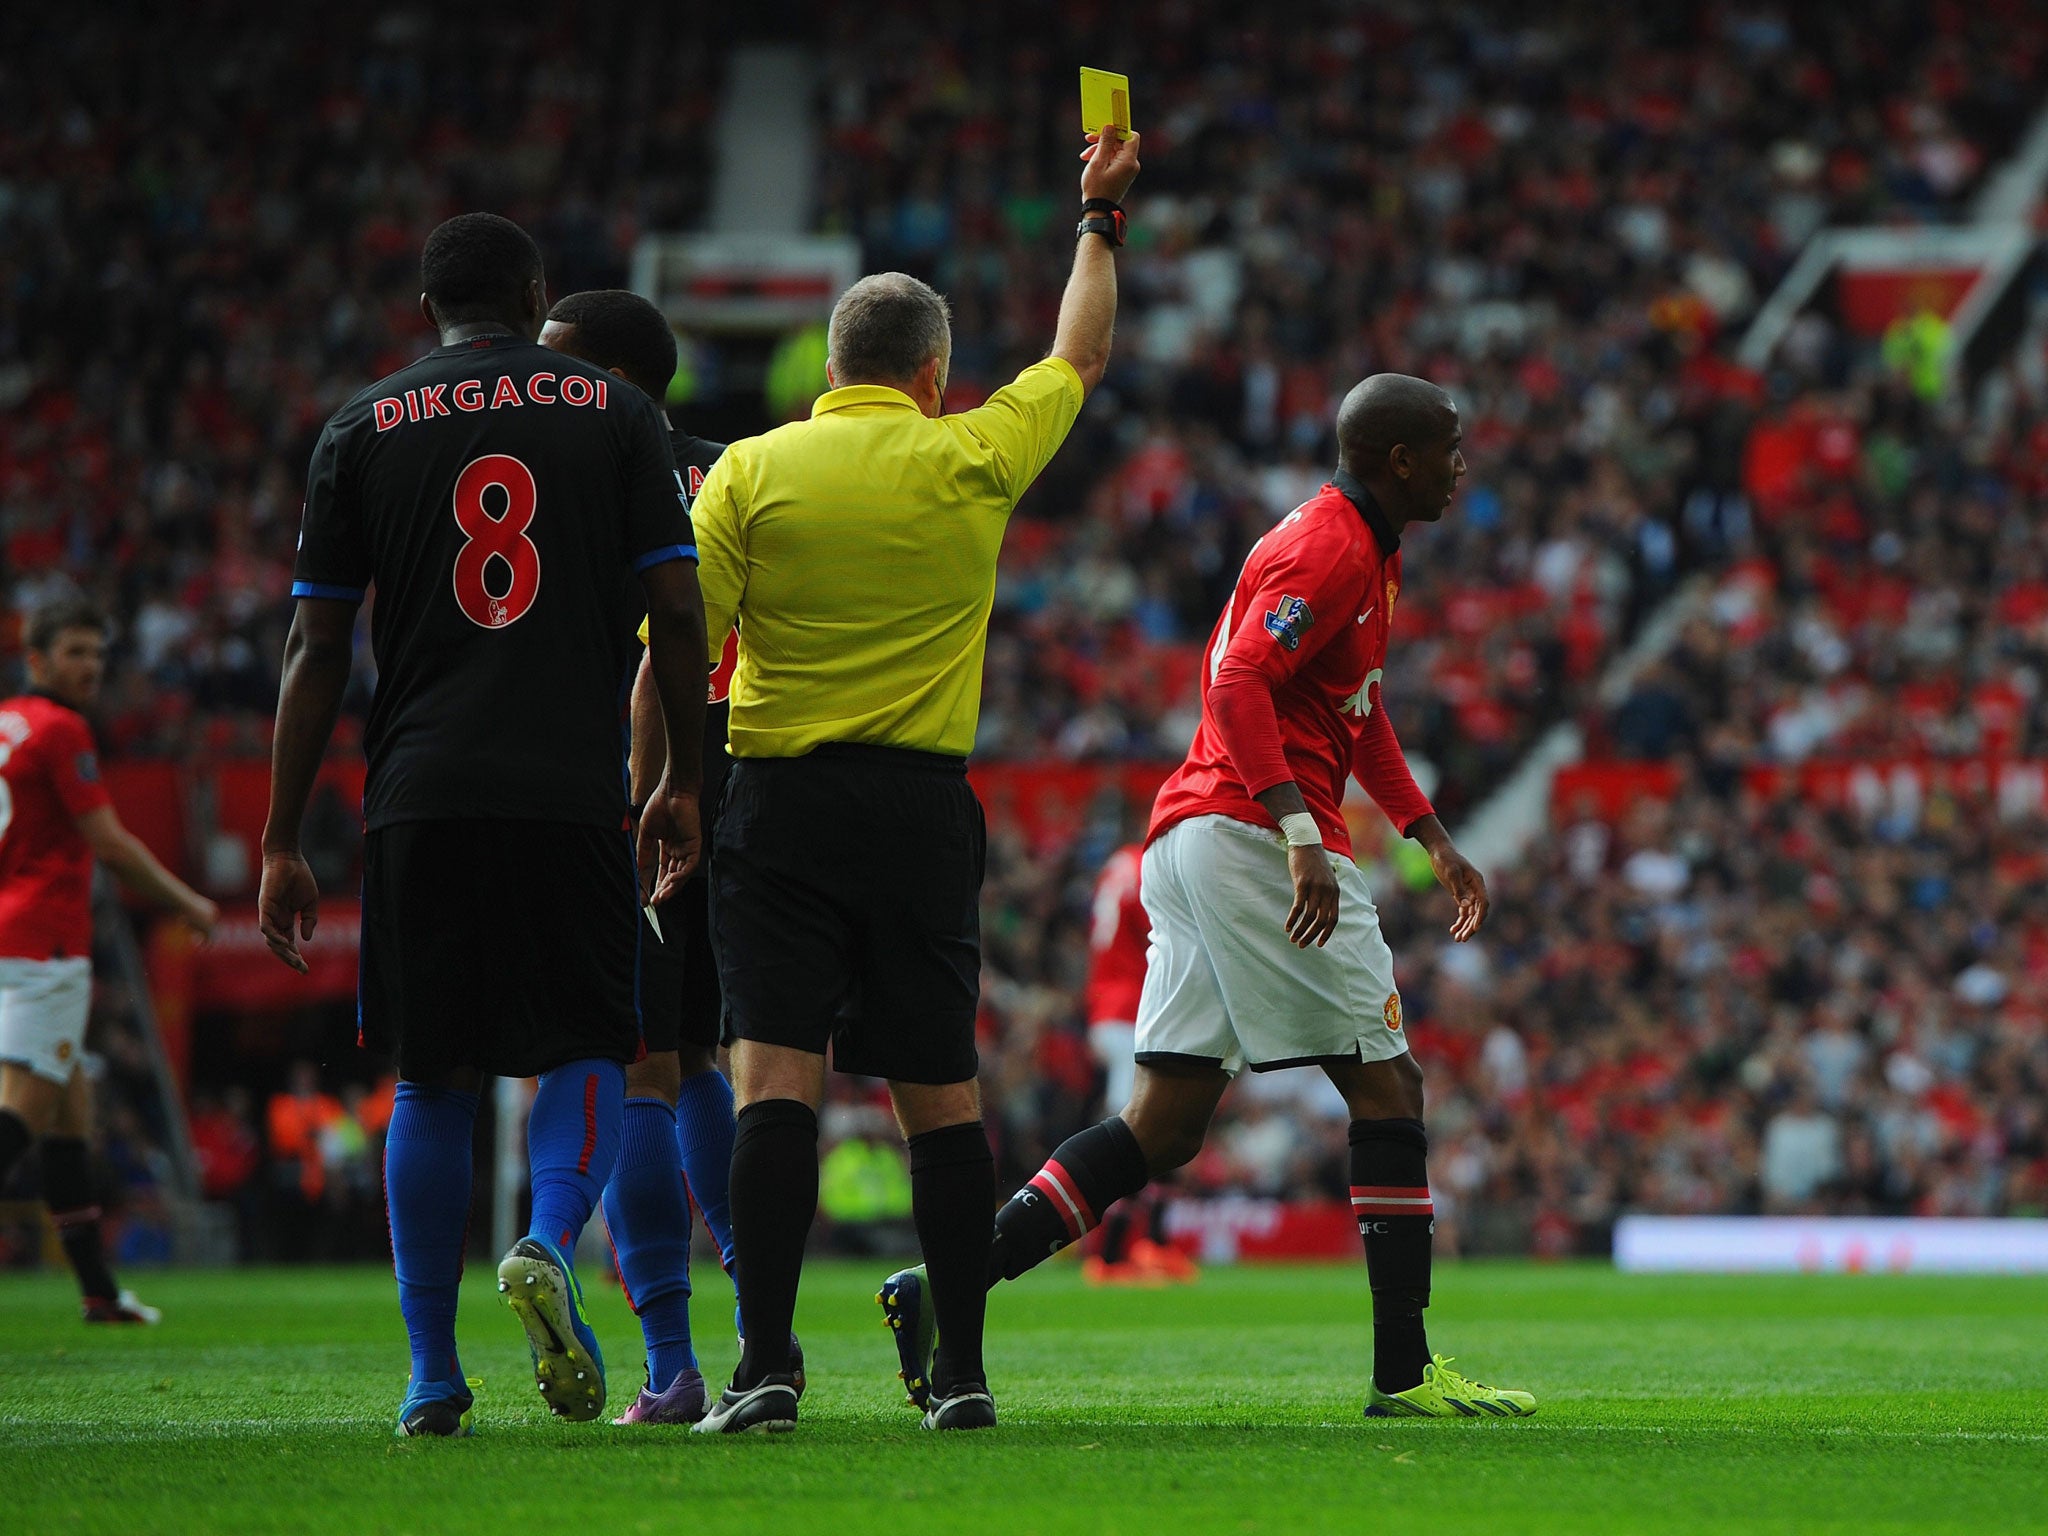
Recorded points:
(67,1191)
(1390,1198)
(1091,1171)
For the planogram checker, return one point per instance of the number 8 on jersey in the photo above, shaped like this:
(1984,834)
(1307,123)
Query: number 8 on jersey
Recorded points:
(501,538)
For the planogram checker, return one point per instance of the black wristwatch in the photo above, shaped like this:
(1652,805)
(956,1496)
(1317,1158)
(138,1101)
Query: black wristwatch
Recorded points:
(1099,216)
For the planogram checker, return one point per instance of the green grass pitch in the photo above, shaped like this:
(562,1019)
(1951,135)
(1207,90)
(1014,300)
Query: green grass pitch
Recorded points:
(263,1403)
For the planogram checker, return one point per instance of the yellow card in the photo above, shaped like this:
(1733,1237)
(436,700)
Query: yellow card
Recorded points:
(1105,98)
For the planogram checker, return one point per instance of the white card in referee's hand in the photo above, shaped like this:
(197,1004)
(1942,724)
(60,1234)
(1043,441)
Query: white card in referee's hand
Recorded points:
(654,922)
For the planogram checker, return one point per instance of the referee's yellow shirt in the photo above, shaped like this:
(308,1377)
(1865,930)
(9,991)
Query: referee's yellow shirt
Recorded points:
(857,552)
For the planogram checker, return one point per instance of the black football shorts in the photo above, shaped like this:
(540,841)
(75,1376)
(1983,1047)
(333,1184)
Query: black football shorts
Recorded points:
(509,946)
(846,909)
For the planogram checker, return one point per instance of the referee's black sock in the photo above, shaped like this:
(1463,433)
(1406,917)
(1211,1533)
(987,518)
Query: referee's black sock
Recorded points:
(67,1191)
(15,1139)
(1390,1198)
(774,1194)
(952,1197)
(1091,1171)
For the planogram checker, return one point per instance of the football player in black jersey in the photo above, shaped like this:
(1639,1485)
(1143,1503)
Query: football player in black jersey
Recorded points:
(501,498)
(678,1104)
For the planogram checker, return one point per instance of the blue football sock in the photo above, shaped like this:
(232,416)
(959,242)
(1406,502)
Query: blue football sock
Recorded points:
(572,1140)
(426,1191)
(649,1218)
(704,1130)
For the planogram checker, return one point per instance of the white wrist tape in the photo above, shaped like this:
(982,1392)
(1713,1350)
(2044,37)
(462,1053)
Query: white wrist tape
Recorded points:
(1301,830)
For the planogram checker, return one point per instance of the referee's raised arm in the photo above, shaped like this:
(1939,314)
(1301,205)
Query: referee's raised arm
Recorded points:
(857,553)
(1088,307)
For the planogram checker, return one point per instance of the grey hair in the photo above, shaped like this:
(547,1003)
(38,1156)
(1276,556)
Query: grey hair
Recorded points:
(886,327)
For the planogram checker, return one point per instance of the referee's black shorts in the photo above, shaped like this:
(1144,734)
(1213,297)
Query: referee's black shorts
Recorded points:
(509,946)
(846,908)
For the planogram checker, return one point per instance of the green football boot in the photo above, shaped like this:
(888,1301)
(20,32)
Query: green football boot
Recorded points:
(1444,1394)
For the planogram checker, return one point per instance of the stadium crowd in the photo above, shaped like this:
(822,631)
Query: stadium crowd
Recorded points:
(1742,1002)
(210,234)
(1892,600)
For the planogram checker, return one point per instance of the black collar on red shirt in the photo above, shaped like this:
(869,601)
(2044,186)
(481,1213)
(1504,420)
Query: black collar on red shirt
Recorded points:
(1368,508)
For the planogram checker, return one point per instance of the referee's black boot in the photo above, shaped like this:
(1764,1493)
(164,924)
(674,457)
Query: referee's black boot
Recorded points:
(769,1407)
(966,1406)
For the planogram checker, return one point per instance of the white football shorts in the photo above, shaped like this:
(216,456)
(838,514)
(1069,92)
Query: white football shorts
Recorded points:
(43,1008)
(1223,983)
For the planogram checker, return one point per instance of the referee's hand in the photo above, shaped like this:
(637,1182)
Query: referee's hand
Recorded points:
(1109,175)
(288,900)
(670,839)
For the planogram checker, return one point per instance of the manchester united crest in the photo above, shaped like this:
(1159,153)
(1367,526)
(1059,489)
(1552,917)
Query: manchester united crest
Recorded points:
(1392,1012)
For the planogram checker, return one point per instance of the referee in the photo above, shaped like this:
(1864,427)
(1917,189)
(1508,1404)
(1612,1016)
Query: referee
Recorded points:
(857,551)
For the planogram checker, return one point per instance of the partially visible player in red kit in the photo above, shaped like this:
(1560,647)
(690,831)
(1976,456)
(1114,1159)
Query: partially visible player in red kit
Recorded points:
(1266,947)
(1118,932)
(55,820)
(1129,1246)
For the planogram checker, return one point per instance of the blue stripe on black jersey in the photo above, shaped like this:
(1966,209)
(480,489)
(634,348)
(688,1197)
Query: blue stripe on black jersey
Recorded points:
(662,556)
(322,589)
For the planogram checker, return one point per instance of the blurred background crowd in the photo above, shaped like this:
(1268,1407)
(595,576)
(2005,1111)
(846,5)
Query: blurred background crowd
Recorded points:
(1708,994)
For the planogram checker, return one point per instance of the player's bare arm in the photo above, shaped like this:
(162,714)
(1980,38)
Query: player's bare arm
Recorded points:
(136,867)
(1088,308)
(647,750)
(1313,916)
(646,756)
(677,657)
(316,664)
(1456,874)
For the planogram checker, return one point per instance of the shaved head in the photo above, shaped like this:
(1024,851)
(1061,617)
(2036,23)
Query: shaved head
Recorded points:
(1386,411)
(1400,436)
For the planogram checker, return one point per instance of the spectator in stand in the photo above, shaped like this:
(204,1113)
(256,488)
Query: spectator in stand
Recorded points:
(863,1179)
(136,1174)
(1802,1153)
(1656,719)
(299,1117)
(230,1156)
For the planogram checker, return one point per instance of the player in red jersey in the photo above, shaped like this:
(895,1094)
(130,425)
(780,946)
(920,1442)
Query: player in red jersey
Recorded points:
(1117,935)
(55,819)
(1250,828)
(1128,1247)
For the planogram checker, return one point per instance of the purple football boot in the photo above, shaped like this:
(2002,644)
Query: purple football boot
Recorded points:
(682,1403)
